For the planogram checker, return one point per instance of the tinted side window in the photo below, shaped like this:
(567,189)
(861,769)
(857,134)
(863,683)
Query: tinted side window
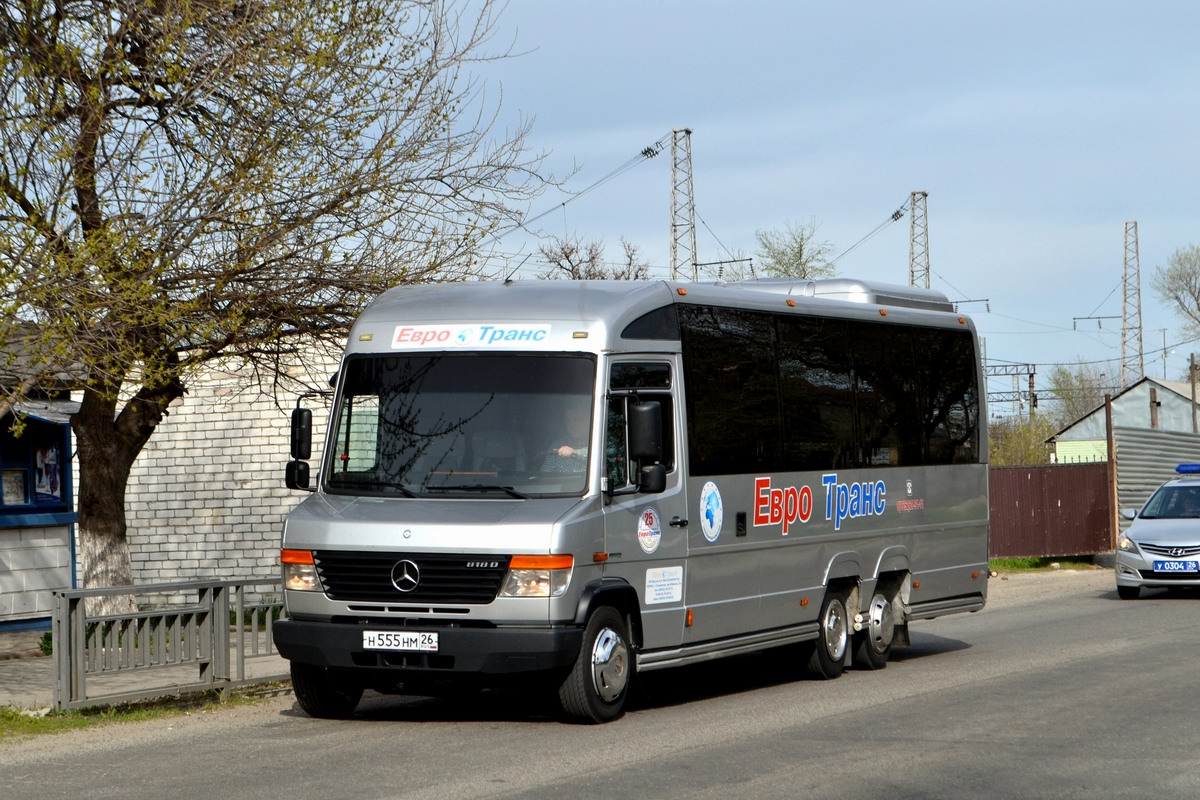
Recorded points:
(817,394)
(771,392)
(732,381)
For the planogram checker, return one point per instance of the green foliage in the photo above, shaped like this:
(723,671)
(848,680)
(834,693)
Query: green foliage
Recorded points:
(183,183)
(794,252)
(1039,563)
(17,724)
(46,643)
(1178,286)
(1019,442)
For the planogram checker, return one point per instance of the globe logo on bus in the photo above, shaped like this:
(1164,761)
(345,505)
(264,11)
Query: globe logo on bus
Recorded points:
(711,511)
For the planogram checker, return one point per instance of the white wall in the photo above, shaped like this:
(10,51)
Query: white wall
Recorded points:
(206,497)
(33,562)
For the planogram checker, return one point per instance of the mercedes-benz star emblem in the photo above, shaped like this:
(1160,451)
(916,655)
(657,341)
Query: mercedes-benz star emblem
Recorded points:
(405,575)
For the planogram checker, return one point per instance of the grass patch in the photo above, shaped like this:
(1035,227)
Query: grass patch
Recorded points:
(1040,563)
(16,725)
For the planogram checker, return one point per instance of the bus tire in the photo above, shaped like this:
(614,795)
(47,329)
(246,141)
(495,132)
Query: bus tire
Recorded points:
(873,644)
(321,694)
(596,688)
(829,651)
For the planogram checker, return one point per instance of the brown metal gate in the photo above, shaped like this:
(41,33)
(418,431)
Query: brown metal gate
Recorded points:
(1050,510)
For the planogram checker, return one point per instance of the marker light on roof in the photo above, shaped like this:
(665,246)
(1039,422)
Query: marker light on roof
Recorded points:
(1188,469)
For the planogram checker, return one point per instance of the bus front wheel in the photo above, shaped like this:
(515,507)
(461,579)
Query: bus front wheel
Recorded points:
(321,694)
(598,684)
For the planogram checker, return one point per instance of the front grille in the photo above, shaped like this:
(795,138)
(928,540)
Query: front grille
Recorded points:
(367,577)
(1151,575)
(1183,551)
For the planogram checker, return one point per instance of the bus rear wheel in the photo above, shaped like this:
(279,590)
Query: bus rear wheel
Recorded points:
(873,644)
(829,651)
(598,684)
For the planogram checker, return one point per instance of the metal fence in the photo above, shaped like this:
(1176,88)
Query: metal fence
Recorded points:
(180,638)
(1043,510)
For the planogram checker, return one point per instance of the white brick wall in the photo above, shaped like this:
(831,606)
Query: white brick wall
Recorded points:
(206,497)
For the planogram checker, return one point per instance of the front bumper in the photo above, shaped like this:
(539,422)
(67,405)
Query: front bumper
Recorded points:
(1134,569)
(465,652)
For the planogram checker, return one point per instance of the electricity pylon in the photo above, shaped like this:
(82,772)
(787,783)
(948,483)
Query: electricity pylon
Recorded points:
(683,206)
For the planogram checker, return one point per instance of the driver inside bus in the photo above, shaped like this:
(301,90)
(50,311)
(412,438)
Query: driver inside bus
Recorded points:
(570,450)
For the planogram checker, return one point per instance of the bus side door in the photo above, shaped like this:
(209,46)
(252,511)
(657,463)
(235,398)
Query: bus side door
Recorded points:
(646,532)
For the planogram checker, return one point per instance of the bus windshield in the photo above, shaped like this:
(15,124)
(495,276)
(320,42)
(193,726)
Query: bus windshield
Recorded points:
(486,426)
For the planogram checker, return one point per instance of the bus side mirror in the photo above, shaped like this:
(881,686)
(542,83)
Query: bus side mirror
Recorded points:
(296,476)
(652,479)
(301,434)
(645,431)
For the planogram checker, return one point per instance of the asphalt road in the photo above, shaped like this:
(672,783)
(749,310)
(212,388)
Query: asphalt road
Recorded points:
(1056,689)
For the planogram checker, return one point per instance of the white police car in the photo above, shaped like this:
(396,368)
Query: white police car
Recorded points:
(1161,548)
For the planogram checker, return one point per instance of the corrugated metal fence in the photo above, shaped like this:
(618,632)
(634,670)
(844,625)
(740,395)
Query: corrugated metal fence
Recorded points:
(1146,459)
(1049,510)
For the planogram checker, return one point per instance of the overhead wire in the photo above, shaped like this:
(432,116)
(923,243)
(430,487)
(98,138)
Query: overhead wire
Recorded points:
(645,154)
(896,215)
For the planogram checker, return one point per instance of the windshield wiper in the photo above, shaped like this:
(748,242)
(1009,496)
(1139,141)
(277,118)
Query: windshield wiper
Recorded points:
(477,487)
(356,484)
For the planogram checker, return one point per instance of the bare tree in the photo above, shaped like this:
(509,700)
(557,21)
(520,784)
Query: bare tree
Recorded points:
(572,259)
(228,179)
(794,252)
(1178,285)
(1077,391)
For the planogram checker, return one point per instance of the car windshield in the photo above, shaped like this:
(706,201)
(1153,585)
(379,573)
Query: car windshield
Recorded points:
(483,426)
(1173,502)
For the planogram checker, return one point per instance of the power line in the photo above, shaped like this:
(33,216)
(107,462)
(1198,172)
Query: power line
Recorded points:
(645,154)
(897,215)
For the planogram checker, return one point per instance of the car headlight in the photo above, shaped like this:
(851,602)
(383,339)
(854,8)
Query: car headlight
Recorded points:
(537,576)
(299,571)
(1125,544)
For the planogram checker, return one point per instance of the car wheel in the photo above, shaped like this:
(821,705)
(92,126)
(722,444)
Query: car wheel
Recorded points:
(1128,592)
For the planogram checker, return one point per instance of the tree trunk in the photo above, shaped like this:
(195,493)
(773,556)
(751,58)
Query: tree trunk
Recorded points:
(108,444)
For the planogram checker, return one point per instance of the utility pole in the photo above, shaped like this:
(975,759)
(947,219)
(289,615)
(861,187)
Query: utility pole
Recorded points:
(683,206)
(918,241)
(1133,365)
(1016,396)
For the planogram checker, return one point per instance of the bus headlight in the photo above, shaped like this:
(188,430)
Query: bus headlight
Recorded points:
(299,571)
(537,576)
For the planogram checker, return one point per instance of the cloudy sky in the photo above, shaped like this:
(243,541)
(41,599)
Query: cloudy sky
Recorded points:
(1038,129)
